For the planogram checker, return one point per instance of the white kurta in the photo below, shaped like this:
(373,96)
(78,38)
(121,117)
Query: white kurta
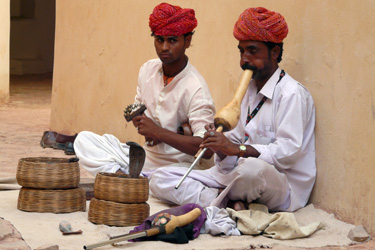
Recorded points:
(282,132)
(185,99)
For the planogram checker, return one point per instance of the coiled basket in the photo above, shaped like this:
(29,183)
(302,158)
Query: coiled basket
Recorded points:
(121,188)
(51,200)
(47,173)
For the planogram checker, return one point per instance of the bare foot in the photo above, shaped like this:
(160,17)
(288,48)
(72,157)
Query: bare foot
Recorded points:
(239,205)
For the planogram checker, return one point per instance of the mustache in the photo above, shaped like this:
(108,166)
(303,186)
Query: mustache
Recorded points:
(248,66)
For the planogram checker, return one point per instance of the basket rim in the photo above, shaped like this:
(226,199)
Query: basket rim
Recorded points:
(45,160)
(121,175)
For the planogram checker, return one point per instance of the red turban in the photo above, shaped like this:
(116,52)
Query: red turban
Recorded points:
(169,20)
(260,24)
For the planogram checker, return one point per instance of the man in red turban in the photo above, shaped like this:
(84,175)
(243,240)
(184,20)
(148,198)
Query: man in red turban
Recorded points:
(172,28)
(269,157)
(174,93)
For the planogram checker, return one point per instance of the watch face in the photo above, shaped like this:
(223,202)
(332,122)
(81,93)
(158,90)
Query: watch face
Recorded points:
(242,147)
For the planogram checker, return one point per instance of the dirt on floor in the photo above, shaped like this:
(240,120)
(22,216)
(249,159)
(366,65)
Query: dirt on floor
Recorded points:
(22,123)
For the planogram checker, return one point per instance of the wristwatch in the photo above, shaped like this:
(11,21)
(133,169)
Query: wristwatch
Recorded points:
(242,150)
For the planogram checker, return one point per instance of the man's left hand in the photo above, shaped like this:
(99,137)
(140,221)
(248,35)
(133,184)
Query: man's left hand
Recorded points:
(219,143)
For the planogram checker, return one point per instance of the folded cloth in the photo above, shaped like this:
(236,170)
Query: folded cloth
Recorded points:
(282,225)
(218,222)
(180,210)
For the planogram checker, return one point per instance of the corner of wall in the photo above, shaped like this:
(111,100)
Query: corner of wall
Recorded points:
(4,50)
(4,97)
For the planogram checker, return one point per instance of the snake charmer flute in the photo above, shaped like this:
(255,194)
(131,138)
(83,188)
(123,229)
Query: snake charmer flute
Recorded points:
(227,118)
(176,221)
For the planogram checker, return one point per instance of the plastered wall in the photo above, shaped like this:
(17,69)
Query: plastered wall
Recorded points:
(100,45)
(4,50)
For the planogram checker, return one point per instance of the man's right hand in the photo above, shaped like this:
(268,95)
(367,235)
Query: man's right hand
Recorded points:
(147,127)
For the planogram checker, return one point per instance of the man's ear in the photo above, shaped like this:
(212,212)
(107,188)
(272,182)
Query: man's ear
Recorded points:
(275,52)
(188,41)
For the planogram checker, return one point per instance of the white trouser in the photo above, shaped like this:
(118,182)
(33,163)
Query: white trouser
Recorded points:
(106,153)
(251,180)
(101,153)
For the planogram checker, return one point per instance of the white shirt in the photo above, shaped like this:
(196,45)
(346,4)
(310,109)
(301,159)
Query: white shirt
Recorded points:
(282,132)
(185,99)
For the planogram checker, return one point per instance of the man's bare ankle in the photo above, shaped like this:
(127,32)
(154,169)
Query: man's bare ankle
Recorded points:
(239,205)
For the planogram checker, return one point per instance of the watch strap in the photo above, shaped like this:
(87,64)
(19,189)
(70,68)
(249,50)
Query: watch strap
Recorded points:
(242,150)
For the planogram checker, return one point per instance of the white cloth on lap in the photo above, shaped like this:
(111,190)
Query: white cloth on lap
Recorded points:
(101,153)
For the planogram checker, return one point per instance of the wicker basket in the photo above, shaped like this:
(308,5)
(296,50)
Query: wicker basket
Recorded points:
(47,173)
(121,188)
(52,201)
(117,214)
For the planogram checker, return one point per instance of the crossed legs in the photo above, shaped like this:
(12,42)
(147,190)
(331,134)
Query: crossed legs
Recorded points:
(252,180)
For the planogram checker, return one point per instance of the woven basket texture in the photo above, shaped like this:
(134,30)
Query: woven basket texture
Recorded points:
(47,173)
(51,201)
(117,214)
(121,188)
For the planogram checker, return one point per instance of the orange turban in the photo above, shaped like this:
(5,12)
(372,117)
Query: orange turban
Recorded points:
(169,20)
(260,24)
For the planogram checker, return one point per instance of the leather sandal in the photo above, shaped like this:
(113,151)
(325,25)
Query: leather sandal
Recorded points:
(69,148)
(48,139)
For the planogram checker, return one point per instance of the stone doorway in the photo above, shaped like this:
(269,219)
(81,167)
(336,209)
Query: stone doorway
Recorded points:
(31,49)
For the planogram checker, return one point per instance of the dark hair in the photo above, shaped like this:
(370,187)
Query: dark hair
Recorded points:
(185,35)
(189,33)
(271,45)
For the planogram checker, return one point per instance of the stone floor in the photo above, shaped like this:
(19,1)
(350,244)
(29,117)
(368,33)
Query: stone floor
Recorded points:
(22,122)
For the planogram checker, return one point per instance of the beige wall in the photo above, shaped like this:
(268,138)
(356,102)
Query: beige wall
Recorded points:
(100,46)
(4,50)
(341,81)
